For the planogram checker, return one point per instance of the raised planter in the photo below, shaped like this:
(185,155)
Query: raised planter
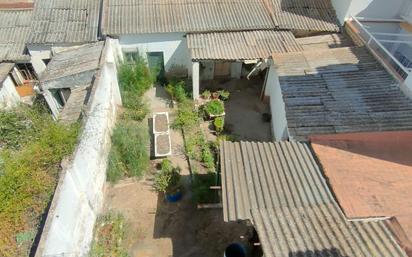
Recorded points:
(163,145)
(161,123)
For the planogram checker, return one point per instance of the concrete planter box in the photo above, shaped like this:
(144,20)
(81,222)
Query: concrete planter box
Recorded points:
(163,145)
(161,123)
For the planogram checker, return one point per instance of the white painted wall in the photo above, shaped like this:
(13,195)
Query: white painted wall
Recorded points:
(9,97)
(173,46)
(79,195)
(277,105)
(384,9)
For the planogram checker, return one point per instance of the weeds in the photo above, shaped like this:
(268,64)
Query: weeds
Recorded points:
(29,167)
(109,233)
(134,79)
(129,154)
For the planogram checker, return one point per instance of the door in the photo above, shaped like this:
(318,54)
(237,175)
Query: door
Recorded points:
(156,66)
(222,69)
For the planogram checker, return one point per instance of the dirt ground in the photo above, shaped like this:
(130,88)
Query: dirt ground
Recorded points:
(162,229)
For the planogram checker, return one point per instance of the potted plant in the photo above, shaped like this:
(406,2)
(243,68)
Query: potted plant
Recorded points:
(215,95)
(215,108)
(224,95)
(206,95)
(167,181)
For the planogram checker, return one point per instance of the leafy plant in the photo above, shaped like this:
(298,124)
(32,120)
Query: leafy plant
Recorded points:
(224,95)
(168,179)
(219,123)
(187,116)
(129,154)
(207,158)
(177,91)
(135,77)
(135,107)
(29,168)
(206,94)
(215,108)
(109,232)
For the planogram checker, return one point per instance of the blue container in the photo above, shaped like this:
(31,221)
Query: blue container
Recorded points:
(235,250)
(172,198)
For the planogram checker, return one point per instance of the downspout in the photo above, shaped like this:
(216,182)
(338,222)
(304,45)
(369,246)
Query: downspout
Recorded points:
(100,23)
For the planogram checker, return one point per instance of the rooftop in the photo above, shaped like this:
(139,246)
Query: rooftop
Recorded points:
(148,16)
(70,21)
(14,31)
(280,188)
(243,45)
(376,178)
(5,69)
(340,90)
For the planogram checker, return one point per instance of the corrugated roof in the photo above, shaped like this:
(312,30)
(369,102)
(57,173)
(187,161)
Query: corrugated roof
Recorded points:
(65,21)
(5,69)
(340,90)
(73,67)
(308,15)
(151,16)
(14,31)
(280,188)
(244,45)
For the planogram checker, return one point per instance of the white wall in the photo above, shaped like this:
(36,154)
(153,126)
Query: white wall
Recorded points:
(8,94)
(384,9)
(173,46)
(277,105)
(79,195)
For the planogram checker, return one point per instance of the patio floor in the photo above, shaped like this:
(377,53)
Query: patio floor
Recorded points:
(244,109)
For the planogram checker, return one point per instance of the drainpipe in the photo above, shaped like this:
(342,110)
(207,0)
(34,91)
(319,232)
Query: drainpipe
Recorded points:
(255,68)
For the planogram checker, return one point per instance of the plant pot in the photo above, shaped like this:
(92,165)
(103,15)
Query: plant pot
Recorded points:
(215,95)
(174,197)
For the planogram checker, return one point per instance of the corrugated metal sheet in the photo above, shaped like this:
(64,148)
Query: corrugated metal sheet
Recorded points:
(267,175)
(73,67)
(308,15)
(280,188)
(244,45)
(14,32)
(340,90)
(321,231)
(151,16)
(65,21)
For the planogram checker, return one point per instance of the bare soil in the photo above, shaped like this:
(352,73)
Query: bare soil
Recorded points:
(163,146)
(162,229)
(161,123)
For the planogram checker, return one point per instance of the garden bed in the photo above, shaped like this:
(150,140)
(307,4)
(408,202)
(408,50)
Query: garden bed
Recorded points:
(162,145)
(161,123)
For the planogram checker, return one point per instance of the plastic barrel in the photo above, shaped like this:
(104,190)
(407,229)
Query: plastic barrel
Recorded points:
(174,197)
(235,250)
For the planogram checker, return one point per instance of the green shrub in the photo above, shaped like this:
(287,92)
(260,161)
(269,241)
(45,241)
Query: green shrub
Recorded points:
(135,77)
(135,107)
(215,107)
(193,145)
(129,154)
(207,157)
(177,91)
(109,232)
(29,174)
(168,179)
(206,94)
(187,116)
(224,95)
(219,124)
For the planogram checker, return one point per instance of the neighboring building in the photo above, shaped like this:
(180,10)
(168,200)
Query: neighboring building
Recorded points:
(61,24)
(9,97)
(67,82)
(376,178)
(280,188)
(162,31)
(331,88)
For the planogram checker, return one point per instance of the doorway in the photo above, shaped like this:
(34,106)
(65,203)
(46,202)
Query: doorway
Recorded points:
(155,61)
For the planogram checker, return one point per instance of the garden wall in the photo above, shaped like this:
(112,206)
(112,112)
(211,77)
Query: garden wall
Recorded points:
(78,199)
